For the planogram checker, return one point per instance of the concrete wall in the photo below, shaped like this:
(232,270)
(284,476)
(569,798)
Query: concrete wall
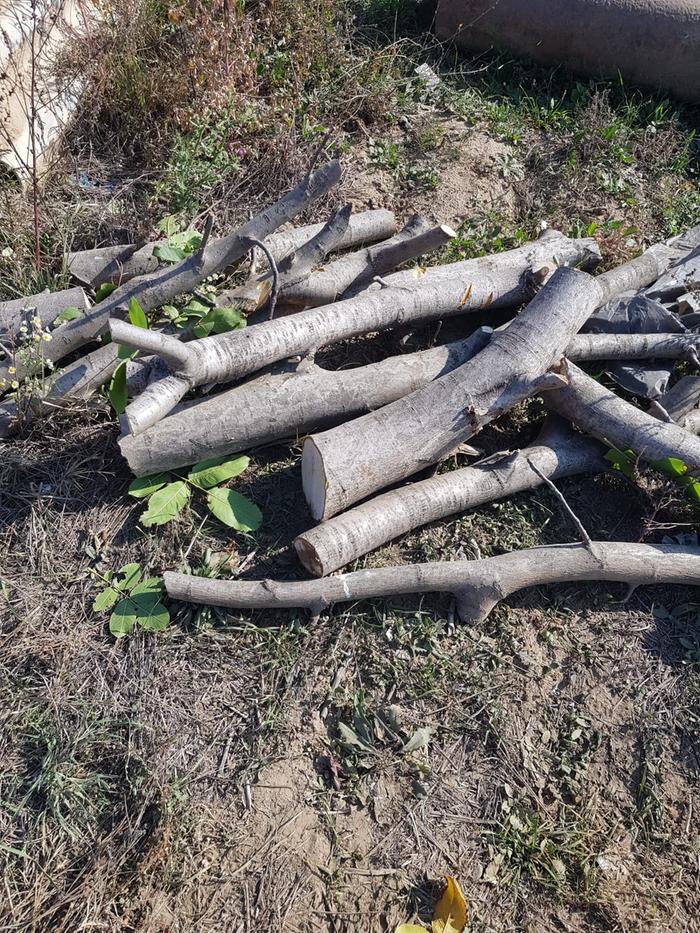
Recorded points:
(650,42)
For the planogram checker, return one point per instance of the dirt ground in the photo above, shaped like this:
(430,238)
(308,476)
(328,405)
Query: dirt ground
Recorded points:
(205,779)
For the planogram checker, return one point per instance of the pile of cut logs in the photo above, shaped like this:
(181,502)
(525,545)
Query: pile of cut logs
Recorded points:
(370,429)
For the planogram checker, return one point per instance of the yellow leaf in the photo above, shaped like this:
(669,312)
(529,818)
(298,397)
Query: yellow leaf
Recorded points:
(410,928)
(450,914)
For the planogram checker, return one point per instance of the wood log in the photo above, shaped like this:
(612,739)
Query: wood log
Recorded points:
(478,585)
(496,281)
(354,271)
(557,452)
(119,264)
(350,462)
(163,285)
(46,306)
(585,347)
(274,407)
(680,404)
(602,414)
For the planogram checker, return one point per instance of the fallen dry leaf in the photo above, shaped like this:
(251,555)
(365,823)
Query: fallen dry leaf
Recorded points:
(451,910)
(410,928)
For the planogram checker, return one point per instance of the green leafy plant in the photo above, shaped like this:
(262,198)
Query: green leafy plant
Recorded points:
(626,462)
(204,319)
(134,601)
(167,496)
(117,390)
(181,243)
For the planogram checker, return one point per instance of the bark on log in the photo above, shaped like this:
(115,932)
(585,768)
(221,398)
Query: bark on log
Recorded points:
(557,452)
(354,271)
(584,347)
(602,414)
(119,264)
(496,281)
(273,407)
(165,284)
(295,268)
(478,585)
(680,404)
(350,462)
(46,306)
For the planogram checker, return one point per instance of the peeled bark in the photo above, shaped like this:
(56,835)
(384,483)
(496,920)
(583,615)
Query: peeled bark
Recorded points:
(46,306)
(496,281)
(352,272)
(558,452)
(478,585)
(602,414)
(273,407)
(164,284)
(350,462)
(119,264)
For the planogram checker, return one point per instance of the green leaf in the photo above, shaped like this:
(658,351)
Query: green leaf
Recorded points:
(210,473)
(105,600)
(122,620)
(168,253)
(219,321)
(102,291)
(188,241)
(136,315)
(69,314)
(117,392)
(233,509)
(671,466)
(145,485)
(419,739)
(131,574)
(150,612)
(350,738)
(694,491)
(164,504)
(126,353)
(621,461)
(169,225)
(170,311)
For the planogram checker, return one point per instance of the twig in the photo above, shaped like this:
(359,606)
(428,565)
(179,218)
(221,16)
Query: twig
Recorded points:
(274,291)
(585,537)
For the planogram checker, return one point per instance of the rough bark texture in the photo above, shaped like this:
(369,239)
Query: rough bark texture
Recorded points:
(558,452)
(294,269)
(602,414)
(354,271)
(165,284)
(119,264)
(273,407)
(479,585)
(655,42)
(493,281)
(46,306)
(584,347)
(350,462)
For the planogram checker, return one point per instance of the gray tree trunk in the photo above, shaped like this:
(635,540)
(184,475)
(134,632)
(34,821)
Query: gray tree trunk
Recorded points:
(479,585)
(602,414)
(273,407)
(46,306)
(119,264)
(557,452)
(350,462)
(493,281)
(164,284)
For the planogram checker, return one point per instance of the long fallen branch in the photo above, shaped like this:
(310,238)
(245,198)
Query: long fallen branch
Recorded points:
(119,264)
(602,414)
(165,284)
(493,281)
(556,453)
(273,407)
(478,585)
(354,460)
(354,271)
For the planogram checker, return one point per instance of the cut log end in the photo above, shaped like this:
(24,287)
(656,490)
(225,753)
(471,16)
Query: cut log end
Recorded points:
(309,557)
(313,479)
